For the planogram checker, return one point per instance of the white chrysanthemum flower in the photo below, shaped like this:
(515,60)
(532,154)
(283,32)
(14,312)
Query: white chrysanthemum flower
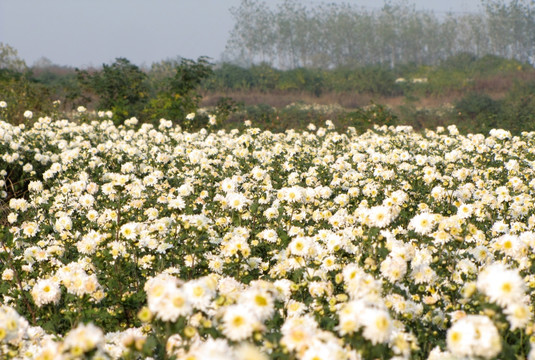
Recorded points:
(64,223)
(92,215)
(230,287)
(18,204)
(157,289)
(500,227)
(89,242)
(350,317)
(46,291)
(298,331)
(177,203)
(13,327)
(246,351)
(84,338)
(87,200)
(393,268)
(200,292)
(380,216)
(30,228)
(129,230)
(320,350)
(12,217)
(300,245)
(258,302)
(237,201)
(237,324)
(474,336)
(464,211)
(271,213)
(510,245)
(35,186)
(213,349)
(7,274)
(518,315)
(422,223)
(118,248)
(293,194)
(228,185)
(377,325)
(503,286)
(173,304)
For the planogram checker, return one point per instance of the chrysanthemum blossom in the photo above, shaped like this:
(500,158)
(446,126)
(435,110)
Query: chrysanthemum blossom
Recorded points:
(377,325)
(474,336)
(503,286)
(518,315)
(84,338)
(237,201)
(380,216)
(238,325)
(298,331)
(258,302)
(46,291)
(422,223)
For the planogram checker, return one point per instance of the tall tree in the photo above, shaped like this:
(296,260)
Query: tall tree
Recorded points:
(251,39)
(10,60)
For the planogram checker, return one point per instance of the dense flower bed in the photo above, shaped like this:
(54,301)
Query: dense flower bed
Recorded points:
(136,241)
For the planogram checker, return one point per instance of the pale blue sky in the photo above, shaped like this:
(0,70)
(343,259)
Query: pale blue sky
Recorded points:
(91,32)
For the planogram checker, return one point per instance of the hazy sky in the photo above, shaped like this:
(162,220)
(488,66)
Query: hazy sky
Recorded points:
(91,32)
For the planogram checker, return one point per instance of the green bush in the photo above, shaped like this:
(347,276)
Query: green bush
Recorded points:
(229,77)
(519,109)
(21,94)
(475,104)
(179,95)
(303,79)
(120,87)
(364,118)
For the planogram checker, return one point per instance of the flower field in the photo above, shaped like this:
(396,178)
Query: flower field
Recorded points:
(139,241)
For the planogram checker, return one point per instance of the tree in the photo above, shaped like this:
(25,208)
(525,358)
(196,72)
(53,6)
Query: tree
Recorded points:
(121,88)
(9,59)
(511,28)
(251,38)
(178,95)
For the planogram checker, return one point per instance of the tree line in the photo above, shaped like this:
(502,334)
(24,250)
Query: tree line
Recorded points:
(293,35)
(169,89)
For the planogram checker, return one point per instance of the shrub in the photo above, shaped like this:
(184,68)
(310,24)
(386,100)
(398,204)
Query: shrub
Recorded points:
(120,87)
(179,96)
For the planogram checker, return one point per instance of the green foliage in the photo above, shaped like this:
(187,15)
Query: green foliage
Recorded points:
(62,84)
(492,65)
(365,118)
(225,107)
(262,113)
(10,60)
(474,104)
(179,96)
(519,109)
(120,88)
(21,94)
(463,61)
(265,77)
(229,77)
(479,112)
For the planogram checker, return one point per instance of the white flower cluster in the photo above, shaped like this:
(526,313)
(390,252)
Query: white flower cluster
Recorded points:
(237,245)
